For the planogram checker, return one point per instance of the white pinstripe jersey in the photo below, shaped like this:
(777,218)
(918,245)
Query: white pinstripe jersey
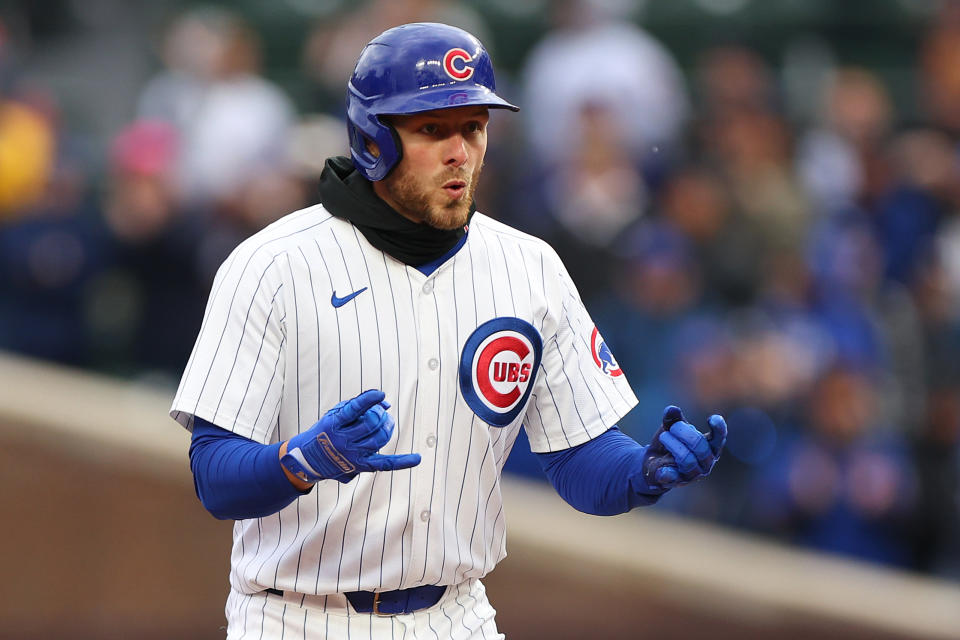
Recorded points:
(497,330)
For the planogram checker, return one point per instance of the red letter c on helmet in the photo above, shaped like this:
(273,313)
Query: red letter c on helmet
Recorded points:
(455,64)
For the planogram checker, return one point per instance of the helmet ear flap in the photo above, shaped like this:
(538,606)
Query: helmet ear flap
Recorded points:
(362,156)
(374,166)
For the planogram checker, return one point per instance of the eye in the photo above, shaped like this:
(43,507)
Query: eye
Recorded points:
(474,127)
(430,128)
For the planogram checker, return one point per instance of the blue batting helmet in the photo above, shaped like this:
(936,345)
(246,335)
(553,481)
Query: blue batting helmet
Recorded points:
(410,69)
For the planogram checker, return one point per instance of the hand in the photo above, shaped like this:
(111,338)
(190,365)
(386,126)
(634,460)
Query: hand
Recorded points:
(679,453)
(345,441)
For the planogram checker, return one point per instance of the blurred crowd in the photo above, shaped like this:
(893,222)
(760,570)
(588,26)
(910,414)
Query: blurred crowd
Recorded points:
(797,272)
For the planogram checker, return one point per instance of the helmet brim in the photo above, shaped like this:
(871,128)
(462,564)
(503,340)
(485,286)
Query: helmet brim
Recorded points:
(441,98)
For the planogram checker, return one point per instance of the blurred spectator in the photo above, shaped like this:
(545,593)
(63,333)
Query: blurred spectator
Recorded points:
(26,157)
(783,345)
(925,187)
(776,362)
(946,246)
(27,136)
(274,191)
(604,104)
(598,192)
(51,244)
(593,57)
(747,139)
(871,321)
(846,268)
(332,47)
(145,306)
(232,123)
(582,202)
(728,245)
(754,149)
(841,160)
(842,483)
(939,68)
(733,78)
(937,443)
(312,140)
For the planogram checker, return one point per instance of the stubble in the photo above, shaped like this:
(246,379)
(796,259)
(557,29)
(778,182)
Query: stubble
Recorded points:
(412,196)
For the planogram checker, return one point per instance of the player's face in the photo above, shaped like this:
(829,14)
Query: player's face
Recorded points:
(435,180)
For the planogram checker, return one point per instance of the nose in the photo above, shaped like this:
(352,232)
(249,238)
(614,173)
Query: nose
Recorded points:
(455,152)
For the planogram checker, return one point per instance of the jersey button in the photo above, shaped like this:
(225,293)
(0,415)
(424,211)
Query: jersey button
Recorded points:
(428,287)
(424,515)
(431,440)
(433,363)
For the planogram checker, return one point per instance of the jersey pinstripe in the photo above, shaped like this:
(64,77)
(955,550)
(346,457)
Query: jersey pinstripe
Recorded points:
(274,353)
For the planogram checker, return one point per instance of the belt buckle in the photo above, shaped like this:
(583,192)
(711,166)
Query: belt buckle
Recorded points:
(376,605)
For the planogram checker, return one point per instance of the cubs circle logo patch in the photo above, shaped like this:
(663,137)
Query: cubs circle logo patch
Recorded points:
(498,364)
(455,64)
(602,355)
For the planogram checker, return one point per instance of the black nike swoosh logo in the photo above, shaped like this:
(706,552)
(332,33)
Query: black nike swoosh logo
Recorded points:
(339,302)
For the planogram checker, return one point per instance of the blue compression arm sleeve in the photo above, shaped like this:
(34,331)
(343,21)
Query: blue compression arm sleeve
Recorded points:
(235,477)
(594,477)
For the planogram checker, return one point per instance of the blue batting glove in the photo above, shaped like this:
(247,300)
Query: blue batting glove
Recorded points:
(659,469)
(345,441)
(695,453)
(679,453)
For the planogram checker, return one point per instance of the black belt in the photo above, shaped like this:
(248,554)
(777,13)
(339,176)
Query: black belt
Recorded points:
(391,603)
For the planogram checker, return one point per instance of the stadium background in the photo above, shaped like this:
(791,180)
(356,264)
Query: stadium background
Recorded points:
(759,203)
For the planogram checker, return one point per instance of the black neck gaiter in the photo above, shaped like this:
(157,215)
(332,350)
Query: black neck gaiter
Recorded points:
(346,194)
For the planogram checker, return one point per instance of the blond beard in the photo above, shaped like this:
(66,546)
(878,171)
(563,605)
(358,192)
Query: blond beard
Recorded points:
(410,195)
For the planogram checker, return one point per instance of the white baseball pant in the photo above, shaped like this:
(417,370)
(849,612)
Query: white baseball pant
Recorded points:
(464,613)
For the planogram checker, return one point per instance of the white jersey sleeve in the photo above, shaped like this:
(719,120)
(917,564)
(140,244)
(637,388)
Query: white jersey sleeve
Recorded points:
(580,390)
(234,377)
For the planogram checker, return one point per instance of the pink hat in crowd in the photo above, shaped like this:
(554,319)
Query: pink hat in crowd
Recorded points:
(145,147)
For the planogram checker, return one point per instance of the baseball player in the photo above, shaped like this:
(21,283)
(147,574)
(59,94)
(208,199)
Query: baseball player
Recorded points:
(365,364)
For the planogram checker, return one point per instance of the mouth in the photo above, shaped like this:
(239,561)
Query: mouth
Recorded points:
(455,188)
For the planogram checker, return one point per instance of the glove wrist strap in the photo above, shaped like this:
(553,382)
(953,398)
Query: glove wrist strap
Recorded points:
(294,462)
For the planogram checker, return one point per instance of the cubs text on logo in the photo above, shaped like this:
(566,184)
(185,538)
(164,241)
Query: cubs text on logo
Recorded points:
(602,355)
(455,63)
(498,365)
